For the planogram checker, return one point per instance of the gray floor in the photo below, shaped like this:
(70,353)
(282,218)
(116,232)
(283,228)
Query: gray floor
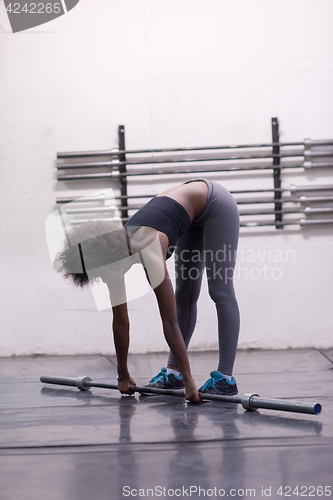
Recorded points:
(60,443)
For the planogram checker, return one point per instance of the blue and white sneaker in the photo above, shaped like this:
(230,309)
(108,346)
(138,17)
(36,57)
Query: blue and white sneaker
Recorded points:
(163,380)
(219,384)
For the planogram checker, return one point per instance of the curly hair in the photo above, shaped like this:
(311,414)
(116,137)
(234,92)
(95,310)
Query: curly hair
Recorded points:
(101,242)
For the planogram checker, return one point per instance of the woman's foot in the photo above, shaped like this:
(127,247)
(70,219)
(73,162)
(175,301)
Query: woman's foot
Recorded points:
(164,380)
(219,384)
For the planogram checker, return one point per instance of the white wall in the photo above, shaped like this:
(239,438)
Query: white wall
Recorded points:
(176,73)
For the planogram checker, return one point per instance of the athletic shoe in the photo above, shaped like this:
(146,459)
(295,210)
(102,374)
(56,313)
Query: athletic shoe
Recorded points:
(219,384)
(163,380)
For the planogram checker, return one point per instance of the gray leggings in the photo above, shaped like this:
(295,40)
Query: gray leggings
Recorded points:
(210,242)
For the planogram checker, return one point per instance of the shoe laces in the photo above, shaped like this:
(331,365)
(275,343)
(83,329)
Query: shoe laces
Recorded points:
(160,376)
(210,383)
(215,376)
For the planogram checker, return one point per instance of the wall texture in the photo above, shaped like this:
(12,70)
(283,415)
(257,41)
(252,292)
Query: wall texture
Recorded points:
(175,73)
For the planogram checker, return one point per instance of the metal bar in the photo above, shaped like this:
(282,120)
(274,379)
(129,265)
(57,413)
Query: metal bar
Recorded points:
(307,210)
(319,164)
(248,201)
(323,210)
(272,212)
(318,142)
(267,223)
(85,199)
(104,209)
(287,222)
(274,404)
(110,208)
(317,154)
(248,401)
(314,222)
(59,380)
(101,198)
(115,152)
(254,201)
(76,222)
(277,174)
(155,161)
(81,154)
(97,164)
(168,171)
(257,211)
(246,212)
(249,191)
(315,199)
(122,167)
(292,189)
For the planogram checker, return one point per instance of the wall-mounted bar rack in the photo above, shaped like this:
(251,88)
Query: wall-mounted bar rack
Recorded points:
(122,165)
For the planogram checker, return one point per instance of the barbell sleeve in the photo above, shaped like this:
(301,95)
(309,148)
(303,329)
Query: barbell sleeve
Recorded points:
(80,382)
(295,189)
(249,402)
(254,401)
(314,222)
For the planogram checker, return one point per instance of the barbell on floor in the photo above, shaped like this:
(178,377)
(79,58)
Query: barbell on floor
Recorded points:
(248,401)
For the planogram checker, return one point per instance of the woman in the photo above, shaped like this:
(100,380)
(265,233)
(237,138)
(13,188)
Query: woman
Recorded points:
(199,221)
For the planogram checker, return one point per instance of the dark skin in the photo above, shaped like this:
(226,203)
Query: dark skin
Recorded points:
(192,197)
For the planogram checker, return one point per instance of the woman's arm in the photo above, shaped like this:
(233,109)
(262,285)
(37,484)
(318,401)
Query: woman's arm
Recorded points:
(167,306)
(153,255)
(120,327)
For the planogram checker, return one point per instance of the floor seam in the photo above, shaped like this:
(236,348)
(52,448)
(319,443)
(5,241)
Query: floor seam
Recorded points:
(158,443)
(323,354)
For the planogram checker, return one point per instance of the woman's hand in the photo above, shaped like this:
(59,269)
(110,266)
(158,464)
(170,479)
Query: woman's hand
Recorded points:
(125,383)
(191,392)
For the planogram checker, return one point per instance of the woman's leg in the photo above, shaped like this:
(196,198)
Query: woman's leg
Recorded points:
(221,230)
(189,267)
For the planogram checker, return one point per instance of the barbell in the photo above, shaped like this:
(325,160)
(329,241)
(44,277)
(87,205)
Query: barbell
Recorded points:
(307,155)
(307,143)
(249,401)
(115,174)
(292,189)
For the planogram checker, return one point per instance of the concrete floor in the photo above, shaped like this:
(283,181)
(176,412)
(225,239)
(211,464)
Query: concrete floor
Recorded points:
(59,443)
